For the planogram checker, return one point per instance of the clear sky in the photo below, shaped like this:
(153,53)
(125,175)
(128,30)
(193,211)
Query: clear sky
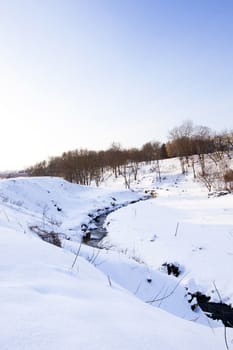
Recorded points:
(85,73)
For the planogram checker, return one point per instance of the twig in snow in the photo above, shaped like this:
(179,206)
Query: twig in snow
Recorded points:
(138,287)
(169,294)
(100,263)
(225,337)
(177,226)
(225,328)
(157,295)
(20,225)
(77,254)
(161,301)
(6,215)
(207,319)
(109,281)
(95,257)
(220,299)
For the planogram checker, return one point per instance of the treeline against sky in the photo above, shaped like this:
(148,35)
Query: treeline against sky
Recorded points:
(185,141)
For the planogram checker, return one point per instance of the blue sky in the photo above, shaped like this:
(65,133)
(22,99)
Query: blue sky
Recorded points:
(86,73)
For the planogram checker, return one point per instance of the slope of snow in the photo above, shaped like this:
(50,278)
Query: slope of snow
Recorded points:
(47,305)
(56,204)
(100,302)
(182,225)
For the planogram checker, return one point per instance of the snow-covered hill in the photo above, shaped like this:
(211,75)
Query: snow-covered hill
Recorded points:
(119,297)
(183,226)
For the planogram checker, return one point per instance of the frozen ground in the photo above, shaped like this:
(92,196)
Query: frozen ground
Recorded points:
(118,297)
(183,226)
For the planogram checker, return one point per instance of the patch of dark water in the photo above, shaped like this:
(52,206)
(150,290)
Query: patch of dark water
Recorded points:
(96,230)
(214,310)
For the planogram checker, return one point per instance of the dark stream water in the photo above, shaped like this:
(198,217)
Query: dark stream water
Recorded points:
(95,235)
(96,230)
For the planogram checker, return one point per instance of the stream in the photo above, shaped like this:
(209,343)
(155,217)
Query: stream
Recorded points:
(95,231)
(98,232)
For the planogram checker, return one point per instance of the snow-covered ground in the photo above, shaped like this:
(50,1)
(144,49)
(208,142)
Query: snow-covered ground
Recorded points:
(118,297)
(183,226)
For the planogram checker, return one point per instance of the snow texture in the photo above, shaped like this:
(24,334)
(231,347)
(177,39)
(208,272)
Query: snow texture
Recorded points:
(119,296)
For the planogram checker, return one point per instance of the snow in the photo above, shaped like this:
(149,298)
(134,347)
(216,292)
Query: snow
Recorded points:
(105,300)
(56,203)
(202,245)
(46,305)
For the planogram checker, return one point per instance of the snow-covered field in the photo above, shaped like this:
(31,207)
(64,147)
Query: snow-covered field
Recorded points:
(183,226)
(119,297)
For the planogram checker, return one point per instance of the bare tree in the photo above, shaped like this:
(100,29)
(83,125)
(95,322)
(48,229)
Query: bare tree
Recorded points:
(151,151)
(202,144)
(180,143)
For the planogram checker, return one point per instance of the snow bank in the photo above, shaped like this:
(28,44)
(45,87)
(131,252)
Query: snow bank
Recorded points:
(47,304)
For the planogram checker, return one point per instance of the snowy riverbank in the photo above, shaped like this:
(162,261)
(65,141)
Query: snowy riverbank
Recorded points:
(104,301)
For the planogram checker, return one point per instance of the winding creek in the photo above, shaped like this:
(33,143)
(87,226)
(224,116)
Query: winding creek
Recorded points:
(96,230)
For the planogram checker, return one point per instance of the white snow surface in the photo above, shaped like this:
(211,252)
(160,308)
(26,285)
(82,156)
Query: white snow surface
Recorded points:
(183,226)
(105,300)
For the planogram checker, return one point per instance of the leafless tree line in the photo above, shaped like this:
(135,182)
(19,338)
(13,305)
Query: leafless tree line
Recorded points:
(195,146)
(85,166)
(206,152)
